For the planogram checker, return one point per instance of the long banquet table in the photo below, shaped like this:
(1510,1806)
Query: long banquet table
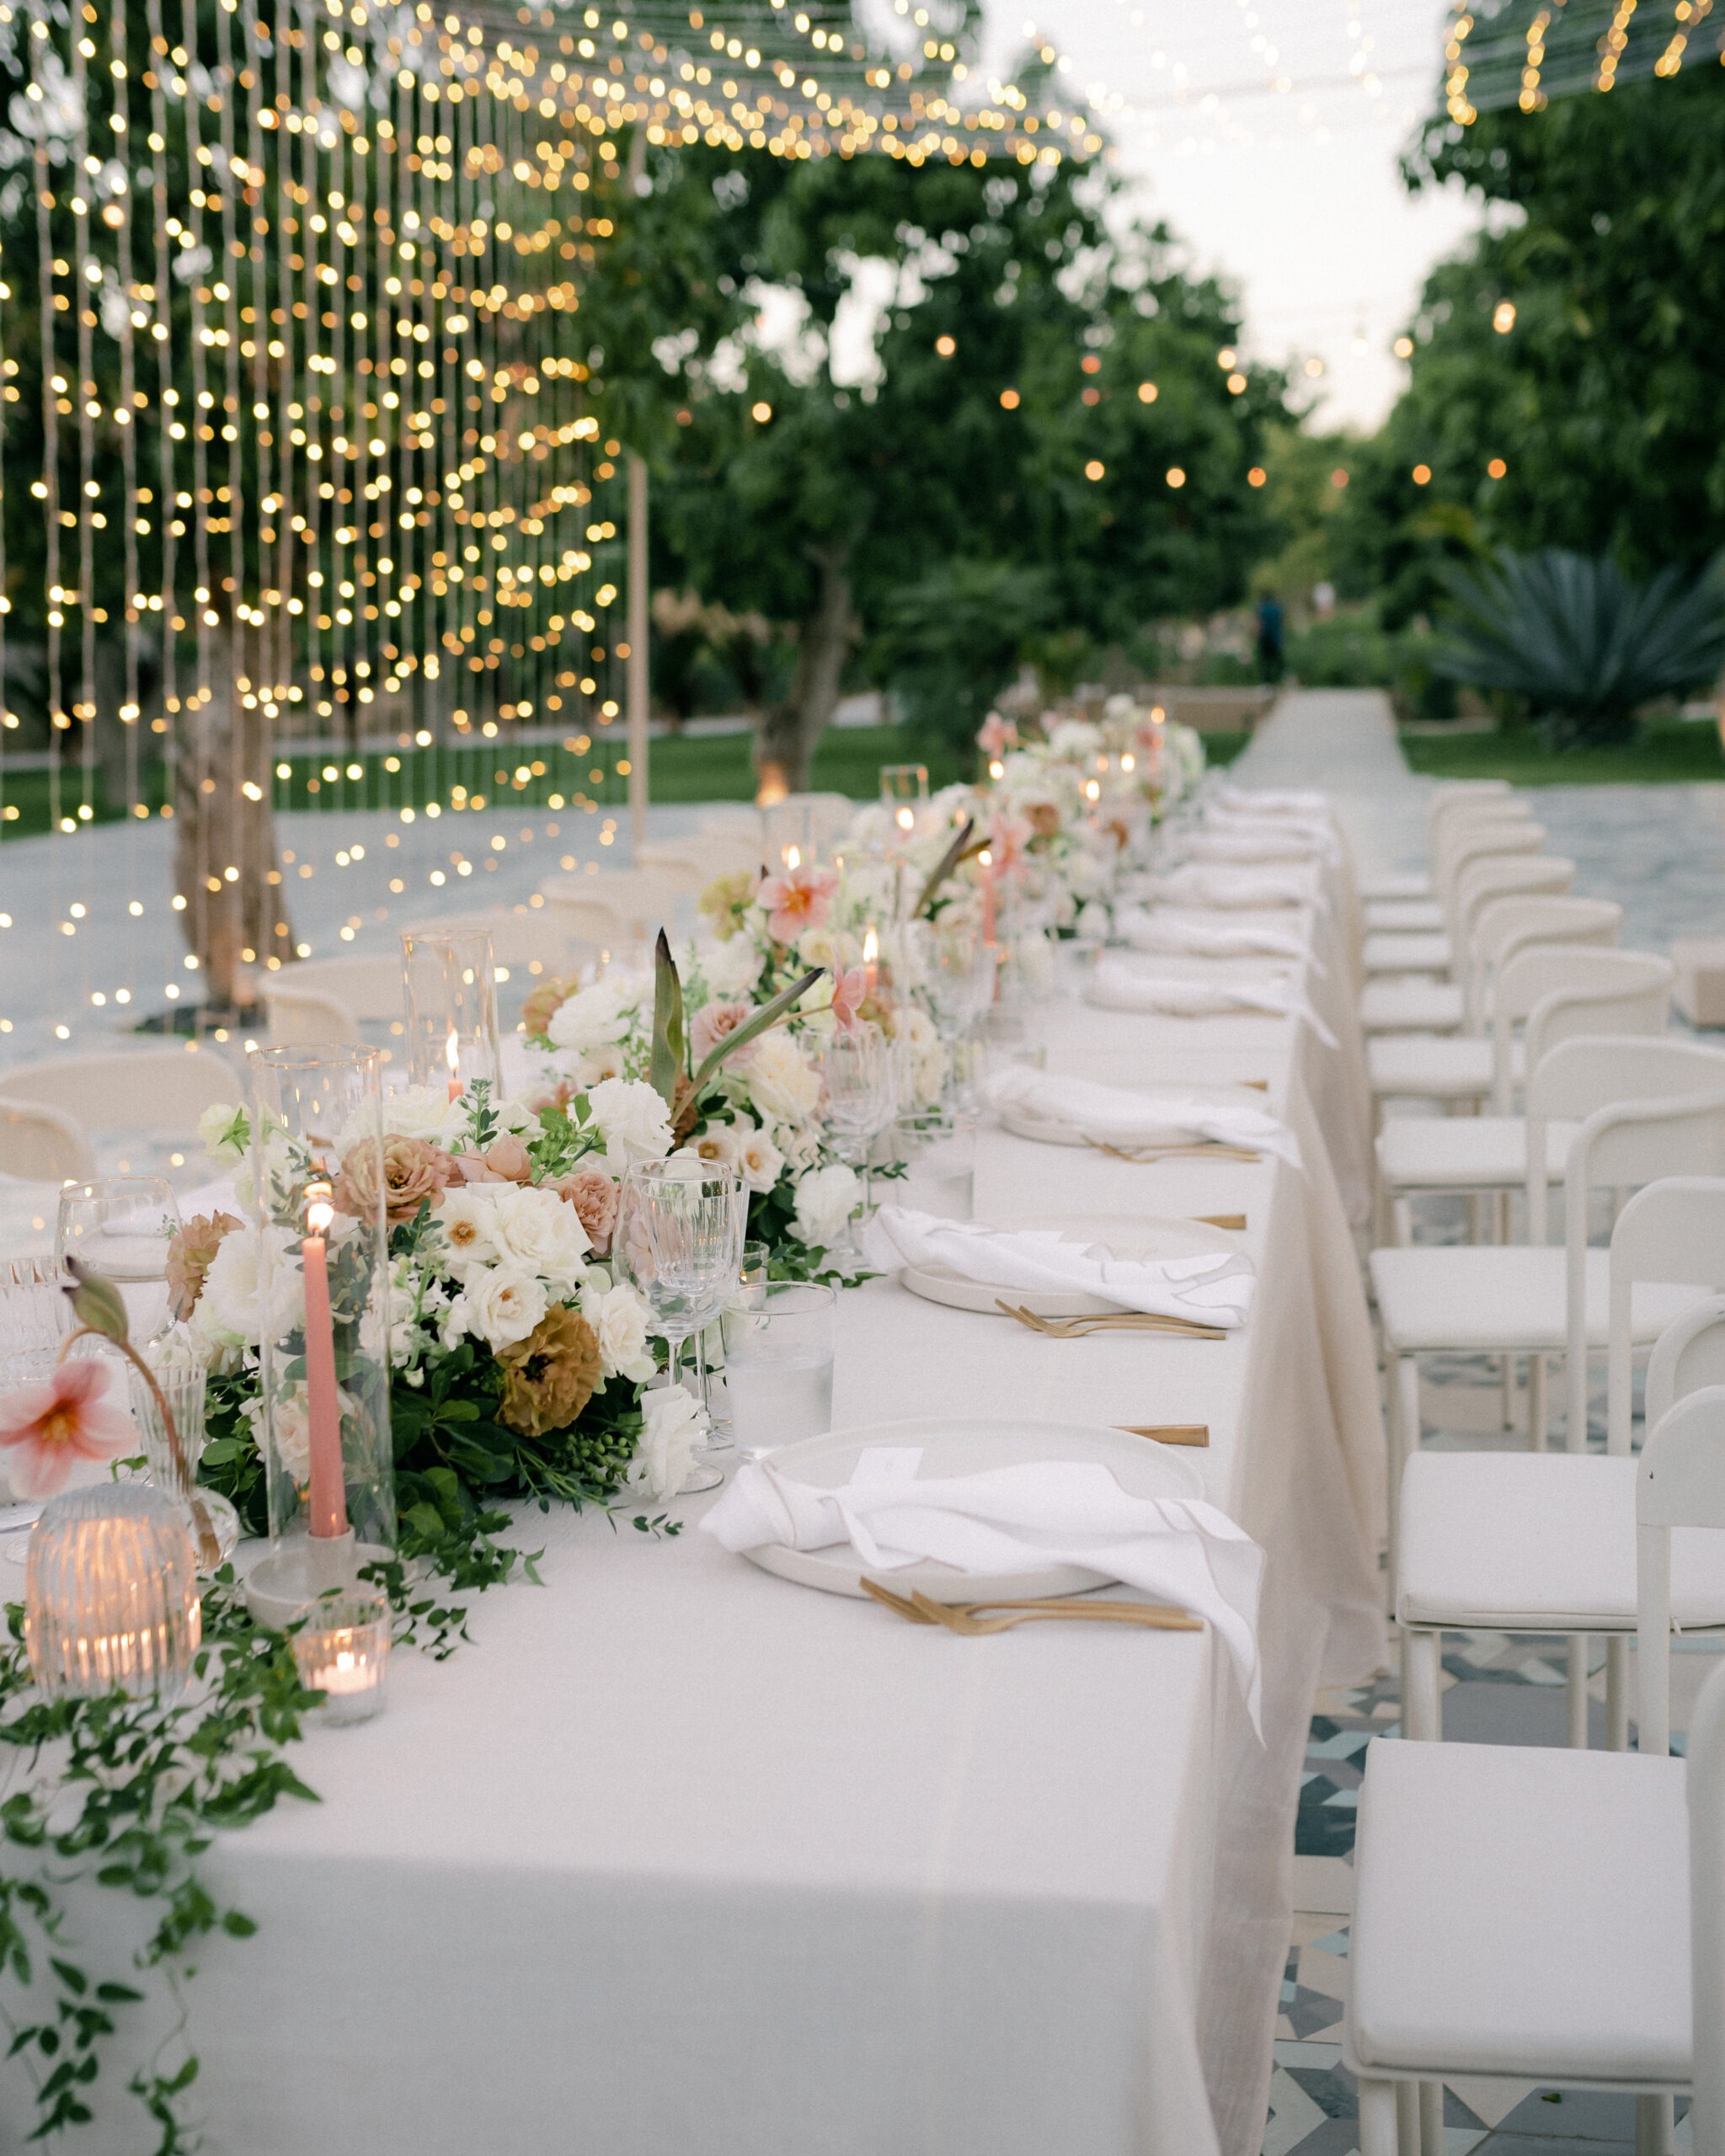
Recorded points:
(681,1856)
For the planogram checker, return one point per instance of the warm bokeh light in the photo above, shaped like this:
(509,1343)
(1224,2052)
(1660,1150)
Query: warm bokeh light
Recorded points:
(1403,348)
(1422,475)
(762,412)
(1147,393)
(1338,478)
(1256,476)
(1503,317)
(1009,399)
(945,346)
(1496,468)
(1177,477)
(1236,385)
(1094,469)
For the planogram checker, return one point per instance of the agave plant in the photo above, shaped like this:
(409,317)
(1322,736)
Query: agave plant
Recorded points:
(1585,646)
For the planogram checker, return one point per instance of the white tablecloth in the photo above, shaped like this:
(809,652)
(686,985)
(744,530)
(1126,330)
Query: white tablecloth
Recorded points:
(681,1856)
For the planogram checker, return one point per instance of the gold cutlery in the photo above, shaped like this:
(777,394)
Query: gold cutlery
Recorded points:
(1169,1433)
(1209,1148)
(962,1618)
(1077,1328)
(1220,1220)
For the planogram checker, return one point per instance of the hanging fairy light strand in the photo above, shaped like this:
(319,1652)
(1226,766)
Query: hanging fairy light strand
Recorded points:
(1523,53)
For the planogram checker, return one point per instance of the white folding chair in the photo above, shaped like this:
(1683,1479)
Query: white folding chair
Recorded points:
(159,1088)
(1408,885)
(1688,1354)
(531,938)
(618,908)
(367,985)
(1542,1542)
(1424,912)
(1395,1003)
(691,864)
(1527,1914)
(1432,950)
(293,1018)
(1454,1069)
(1647,1108)
(41,1143)
(1574,990)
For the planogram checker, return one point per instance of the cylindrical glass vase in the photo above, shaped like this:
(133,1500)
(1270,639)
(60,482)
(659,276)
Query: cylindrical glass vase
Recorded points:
(323,1292)
(450,981)
(111,1594)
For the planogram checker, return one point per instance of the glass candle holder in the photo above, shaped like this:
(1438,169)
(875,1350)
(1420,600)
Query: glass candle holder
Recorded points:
(903,783)
(322,1284)
(450,982)
(111,1594)
(182,1385)
(342,1650)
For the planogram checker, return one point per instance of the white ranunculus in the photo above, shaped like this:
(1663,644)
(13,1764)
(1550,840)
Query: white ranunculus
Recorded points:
(632,1120)
(759,1160)
(466,1218)
(596,1017)
(730,970)
(915,1027)
(535,1228)
(826,1198)
(673,1422)
(230,1312)
(498,1305)
(782,1083)
(619,1318)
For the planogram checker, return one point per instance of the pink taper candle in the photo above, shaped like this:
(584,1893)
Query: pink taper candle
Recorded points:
(328,1489)
(984,861)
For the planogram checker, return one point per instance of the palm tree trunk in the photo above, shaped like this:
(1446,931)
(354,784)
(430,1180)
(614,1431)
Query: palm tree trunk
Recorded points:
(786,738)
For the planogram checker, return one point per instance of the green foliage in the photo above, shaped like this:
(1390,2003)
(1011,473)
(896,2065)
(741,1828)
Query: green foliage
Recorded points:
(1673,751)
(1352,650)
(1582,645)
(951,640)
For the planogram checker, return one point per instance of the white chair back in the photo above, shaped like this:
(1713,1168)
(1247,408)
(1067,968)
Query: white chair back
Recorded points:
(367,986)
(1688,1354)
(624,906)
(163,1089)
(527,937)
(691,864)
(1560,990)
(42,1144)
(1504,921)
(1673,1230)
(1707,1914)
(295,1019)
(1446,828)
(1452,795)
(1679,1483)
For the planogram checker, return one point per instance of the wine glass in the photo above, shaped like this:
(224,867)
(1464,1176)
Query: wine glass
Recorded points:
(959,977)
(121,1226)
(862,1098)
(691,1219)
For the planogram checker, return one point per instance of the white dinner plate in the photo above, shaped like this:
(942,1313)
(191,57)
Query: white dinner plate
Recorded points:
(1126,1234)
(1048,1131)
(953,1445)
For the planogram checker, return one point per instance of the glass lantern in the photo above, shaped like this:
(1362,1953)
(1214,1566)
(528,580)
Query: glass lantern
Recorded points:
(323,1289)
(111,1594)
(451,981)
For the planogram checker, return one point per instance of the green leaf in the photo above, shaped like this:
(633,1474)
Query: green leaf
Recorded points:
(961,845)
(767,1016)
(669,1059)
(96,1302)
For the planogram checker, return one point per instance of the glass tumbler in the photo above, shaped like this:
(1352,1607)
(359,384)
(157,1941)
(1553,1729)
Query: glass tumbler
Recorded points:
(778,1365)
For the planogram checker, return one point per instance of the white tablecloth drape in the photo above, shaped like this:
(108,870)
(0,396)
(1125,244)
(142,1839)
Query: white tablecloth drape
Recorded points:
(679,1855)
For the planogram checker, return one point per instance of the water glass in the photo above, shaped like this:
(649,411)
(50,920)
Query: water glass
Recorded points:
(121,1226)
(35,1315)
(755,1270)
(778,1365)
(940,1177)
(690,1218)
(862,1097)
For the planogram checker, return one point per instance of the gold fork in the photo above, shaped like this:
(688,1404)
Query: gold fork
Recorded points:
(1145,1155)
(962,1617)
(1080,1328)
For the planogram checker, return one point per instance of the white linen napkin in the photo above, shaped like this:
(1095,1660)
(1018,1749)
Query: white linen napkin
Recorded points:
(1119,1117)
(1258,841)
(1174,934)
(1215,1288)
(1221,884)
(1117,985)
(1176,1549)
(1271,801)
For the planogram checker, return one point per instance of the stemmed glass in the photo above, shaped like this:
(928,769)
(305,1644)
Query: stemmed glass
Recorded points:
(958,979)
(862,1098)
(688,1221)
(121,1226)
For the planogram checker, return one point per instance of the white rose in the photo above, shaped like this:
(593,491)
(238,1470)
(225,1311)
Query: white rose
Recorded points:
(535,1228)
(673,1422)
(916,1027)
(293,1428)
(632,1120)
(230,1312)
(619,1317)
(498,1305)
(595,1016)
(835,949)
(415,1112)
(826,1198)
(224,1133)
(730,970)
(597,1064)
(782,1083)
(759,1160)
(466,1218)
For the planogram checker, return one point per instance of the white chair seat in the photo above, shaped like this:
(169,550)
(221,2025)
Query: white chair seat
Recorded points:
(1465,1152)
(1390,1005)
(1406,954)
(1397,884)
(1399,916)
(1527,1541)
(1436,1066)
(1495,1298)
(1521,1912)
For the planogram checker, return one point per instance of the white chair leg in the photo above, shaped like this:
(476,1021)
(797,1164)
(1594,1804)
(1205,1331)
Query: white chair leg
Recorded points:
(1378,2128)
(1577,1692)
(1407,2117)
(1508,1376)
(1404,1421)
(1421,1698)
(1537,1410)
(1617,1693)
(1654,2126)
(1401,1217)
(1431,2118)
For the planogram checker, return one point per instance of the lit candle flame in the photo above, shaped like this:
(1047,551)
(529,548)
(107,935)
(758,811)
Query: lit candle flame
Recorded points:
(871,946)
(452,1052)
(985,859)
(319,1211)
(907,819)
(1128,763)
(996,769)
(793,857)
(1092,792)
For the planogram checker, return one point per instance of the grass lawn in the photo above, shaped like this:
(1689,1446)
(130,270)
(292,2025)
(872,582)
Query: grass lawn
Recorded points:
(1669,751)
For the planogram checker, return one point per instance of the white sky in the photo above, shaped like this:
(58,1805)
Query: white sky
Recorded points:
(1293,194)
